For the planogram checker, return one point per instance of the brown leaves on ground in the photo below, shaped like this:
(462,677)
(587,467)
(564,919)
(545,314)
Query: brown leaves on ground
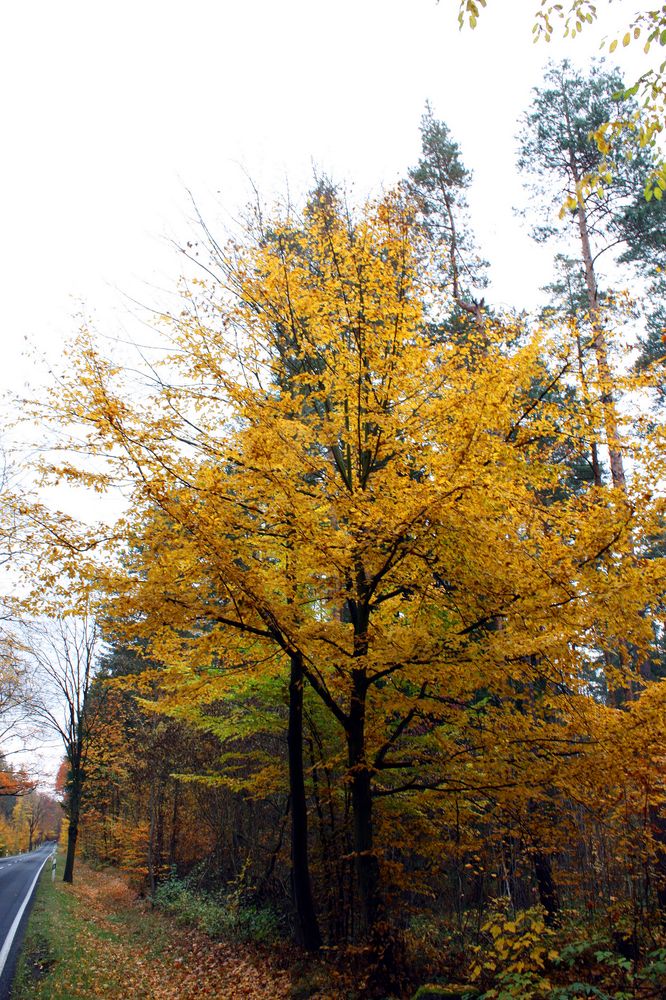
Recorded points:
(154,959)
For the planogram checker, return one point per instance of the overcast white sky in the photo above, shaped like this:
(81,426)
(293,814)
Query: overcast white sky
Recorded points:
(111,111)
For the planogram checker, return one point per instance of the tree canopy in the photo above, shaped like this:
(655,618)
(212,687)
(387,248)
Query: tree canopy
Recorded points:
(382,638)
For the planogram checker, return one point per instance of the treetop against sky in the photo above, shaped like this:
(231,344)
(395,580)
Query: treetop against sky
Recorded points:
(96,184)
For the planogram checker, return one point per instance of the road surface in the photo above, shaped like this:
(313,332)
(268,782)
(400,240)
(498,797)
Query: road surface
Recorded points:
(18,876)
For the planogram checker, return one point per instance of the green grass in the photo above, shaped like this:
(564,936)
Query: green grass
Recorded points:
(50,928)
(59,957)
(97,940)
(215,916)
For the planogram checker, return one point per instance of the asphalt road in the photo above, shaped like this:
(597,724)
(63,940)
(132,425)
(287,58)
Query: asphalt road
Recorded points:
(17,875)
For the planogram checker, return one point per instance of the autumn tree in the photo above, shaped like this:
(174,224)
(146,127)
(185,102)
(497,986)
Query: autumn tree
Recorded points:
(14,717)
(62,657)
(14,781)
(13,685)
(140,809)
(388,521)
(35,817)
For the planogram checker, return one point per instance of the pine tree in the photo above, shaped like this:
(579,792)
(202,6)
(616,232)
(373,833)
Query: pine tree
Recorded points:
(557,145)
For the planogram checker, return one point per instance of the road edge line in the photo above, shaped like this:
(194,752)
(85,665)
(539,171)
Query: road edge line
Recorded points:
(11,934)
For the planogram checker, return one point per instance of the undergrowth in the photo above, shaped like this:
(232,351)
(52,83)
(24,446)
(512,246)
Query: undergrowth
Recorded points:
(219,916)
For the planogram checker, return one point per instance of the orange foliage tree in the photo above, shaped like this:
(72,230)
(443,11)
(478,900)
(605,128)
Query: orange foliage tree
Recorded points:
(329,491)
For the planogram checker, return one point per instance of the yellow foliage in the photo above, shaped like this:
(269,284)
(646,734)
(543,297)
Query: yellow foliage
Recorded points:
(321,470)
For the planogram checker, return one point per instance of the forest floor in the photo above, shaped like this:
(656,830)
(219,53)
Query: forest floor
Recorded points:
(95,939)
(98,940)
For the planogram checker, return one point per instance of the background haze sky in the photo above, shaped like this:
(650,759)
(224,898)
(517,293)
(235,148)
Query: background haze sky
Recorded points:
(110,112)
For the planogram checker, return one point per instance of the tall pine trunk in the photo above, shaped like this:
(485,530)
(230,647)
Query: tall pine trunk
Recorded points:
(599,343)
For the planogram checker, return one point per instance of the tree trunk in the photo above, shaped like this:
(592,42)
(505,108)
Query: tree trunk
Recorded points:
(307,926)
(173,838)
(594,450)
(159,834)
(658,824)
(548,897)
(599,344)
(74,811)
(152,853)
(365,860)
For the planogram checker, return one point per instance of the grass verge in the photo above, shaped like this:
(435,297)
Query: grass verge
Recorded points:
(96,940)
(42,949)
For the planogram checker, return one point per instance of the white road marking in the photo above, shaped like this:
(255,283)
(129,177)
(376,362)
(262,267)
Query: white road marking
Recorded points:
(9,940)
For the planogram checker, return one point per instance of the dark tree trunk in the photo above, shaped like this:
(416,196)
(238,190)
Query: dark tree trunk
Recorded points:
(74,811)
(307,926)
(658,824)
(594,449)
(173,838)
(543,872)
(156,834)
(365,860)
(151,837)
(159,834)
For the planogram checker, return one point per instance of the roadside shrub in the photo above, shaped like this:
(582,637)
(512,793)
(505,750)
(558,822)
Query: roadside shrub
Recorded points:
(217,916)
